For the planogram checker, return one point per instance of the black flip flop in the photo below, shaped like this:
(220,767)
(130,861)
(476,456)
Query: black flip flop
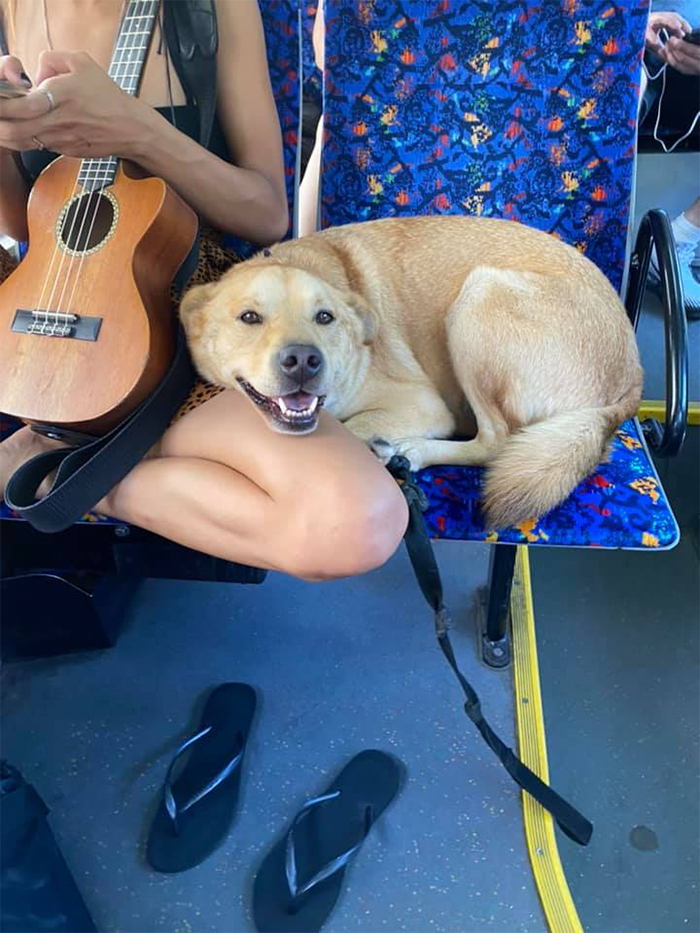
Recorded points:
(198,806)
(300,880)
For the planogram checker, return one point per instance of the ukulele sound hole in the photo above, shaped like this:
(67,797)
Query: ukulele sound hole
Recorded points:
(87,222)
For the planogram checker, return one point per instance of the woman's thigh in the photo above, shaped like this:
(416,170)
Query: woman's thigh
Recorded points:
(325,506)
(229,430)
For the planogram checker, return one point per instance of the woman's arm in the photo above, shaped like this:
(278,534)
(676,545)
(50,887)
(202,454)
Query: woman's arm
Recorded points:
(248,198)
(91,117)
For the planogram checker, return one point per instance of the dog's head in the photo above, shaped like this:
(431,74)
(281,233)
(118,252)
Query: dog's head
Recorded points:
(285,337)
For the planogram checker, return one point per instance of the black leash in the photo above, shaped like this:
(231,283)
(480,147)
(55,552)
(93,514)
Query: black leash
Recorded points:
(422,556)
(85,474)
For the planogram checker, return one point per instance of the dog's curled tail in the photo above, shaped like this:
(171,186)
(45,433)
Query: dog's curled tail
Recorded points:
(541,464)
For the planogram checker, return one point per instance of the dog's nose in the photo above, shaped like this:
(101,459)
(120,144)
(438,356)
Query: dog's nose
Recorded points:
(301,361)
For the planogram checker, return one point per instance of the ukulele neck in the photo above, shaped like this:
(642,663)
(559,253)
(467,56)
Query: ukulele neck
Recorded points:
(126,70)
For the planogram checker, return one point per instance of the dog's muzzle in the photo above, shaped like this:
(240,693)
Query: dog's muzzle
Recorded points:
(293,413)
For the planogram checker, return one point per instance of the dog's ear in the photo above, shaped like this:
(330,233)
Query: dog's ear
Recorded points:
(366,316)
(193,303)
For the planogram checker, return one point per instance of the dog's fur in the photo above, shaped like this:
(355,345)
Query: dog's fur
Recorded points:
(443,326)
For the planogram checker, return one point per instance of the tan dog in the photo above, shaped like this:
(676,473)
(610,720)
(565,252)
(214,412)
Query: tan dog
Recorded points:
(412,330)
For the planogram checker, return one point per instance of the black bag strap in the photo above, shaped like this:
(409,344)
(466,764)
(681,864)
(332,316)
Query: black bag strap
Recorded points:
(422,556)
(3,41)
(192,38)
(85,474)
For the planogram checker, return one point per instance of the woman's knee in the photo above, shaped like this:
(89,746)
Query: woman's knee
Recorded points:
(348,531)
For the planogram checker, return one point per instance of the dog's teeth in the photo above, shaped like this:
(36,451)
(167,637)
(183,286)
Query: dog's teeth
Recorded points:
(294,414)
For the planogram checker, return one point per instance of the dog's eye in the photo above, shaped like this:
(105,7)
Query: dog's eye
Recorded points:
(324,317)
(251,317)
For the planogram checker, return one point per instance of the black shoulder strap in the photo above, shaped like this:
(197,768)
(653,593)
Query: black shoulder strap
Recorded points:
(4,50)
(193,40)
(85,474)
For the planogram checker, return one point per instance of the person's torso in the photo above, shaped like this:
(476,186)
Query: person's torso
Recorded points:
(26,31)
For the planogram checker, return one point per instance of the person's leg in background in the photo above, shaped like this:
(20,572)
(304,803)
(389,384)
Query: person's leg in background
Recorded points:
(686,230)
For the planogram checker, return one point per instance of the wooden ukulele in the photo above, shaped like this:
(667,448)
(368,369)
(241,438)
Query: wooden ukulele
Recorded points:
(87,329)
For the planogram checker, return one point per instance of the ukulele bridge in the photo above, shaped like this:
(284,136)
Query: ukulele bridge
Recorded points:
(56,324)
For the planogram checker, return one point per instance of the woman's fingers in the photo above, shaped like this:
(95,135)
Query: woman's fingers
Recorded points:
(12,70)
(52,64)
(34,105)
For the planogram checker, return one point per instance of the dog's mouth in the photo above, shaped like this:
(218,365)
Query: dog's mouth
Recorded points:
(296,411)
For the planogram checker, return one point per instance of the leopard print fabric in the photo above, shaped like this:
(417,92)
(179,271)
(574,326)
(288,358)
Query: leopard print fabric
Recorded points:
(7,263)
(214,260)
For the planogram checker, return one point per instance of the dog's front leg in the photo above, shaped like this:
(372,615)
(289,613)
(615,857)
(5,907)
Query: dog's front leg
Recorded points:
(388,433)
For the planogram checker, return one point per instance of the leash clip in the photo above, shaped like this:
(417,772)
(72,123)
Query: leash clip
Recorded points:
(442,622)
(400,469)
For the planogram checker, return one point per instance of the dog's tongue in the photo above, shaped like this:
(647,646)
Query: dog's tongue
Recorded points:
(298,401)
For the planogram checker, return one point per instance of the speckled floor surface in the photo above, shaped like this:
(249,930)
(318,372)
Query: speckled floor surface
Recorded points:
(342,667)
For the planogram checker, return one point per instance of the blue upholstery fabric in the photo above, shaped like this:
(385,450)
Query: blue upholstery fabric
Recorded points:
(511,110)
(622,505)
(281,23)
(312,83)
(505,109)
(280,20)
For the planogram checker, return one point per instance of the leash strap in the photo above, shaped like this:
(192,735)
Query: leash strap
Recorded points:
(422,557)
(85,474)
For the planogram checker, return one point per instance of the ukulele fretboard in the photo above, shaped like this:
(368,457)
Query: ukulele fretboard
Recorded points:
(126,69)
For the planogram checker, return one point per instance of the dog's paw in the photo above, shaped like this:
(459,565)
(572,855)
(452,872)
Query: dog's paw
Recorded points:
(410,449)
(382,449)
(412,453)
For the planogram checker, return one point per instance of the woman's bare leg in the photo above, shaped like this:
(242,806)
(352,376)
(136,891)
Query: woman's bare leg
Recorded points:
(221,481)
(20,447)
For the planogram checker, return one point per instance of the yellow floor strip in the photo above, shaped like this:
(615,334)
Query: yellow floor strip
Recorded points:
(651,408)
(557,902)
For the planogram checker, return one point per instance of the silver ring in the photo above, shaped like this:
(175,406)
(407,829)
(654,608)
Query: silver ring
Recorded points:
(51,100)
(38,143)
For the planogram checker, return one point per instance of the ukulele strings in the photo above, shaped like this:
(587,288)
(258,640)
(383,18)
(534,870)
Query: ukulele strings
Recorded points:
(38,312)
(128,31)
(93,181)
(67,240)
(46,313)
(137,10)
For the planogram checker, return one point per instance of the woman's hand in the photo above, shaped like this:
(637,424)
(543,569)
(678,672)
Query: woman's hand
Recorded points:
(12,70)
(75,109)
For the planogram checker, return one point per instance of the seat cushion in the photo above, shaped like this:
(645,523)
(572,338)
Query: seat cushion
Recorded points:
(622,505)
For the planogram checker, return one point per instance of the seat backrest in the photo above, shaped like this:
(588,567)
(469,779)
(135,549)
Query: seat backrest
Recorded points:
(525,112)
(282,24)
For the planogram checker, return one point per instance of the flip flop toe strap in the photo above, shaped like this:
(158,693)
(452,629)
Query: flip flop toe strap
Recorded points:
(295,888)
(175,809)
